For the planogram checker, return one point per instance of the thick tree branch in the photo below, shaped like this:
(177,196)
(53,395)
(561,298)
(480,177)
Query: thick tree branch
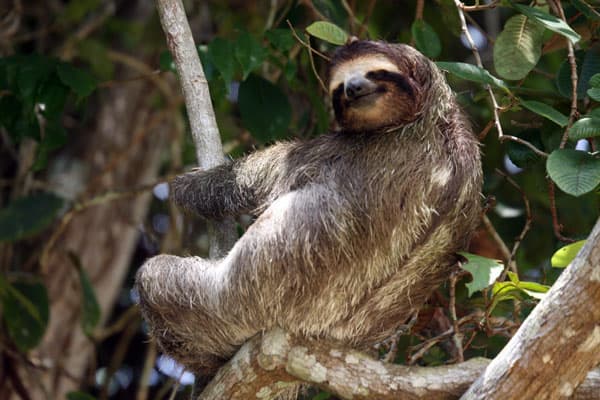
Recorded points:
(205,132)
(269,364)
(558,343)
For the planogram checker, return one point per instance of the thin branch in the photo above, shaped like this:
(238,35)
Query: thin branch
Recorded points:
(573,64)
(209,150)
(457,337)
(528,217)
(524,143)
(82,206)
(556,225)
(465,31)
(310,56)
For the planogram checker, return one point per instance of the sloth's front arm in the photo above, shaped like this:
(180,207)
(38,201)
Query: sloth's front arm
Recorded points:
(241,186)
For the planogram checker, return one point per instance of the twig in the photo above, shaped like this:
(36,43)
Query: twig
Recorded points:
(483,134)
(556,226)
(79,207)
(310,57)
(142,392)
(524,143)
(419,10)
(528,217)
(209,150)
(573,64)
(465,31)
(506,255)
(123,321)
(457,336)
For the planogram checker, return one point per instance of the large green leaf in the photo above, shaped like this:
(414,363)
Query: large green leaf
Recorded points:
(426,39)
(585,128)
(484,271)
(518,48)
(25,313)
(281,39)
(265,109)
(575,172)
(221,53)
(472,73)
(546,111)
(249,53)
(563,256)
(27,216)
(328,32)
(588,65)
(549,21)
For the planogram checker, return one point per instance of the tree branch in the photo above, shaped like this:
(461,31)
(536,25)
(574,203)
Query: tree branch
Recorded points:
(209,150)
(270,364)
(558,343)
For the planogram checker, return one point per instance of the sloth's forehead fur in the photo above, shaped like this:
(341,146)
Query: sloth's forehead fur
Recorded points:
(359,66)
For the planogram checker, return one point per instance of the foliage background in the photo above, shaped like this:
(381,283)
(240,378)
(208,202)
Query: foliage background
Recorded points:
(92,122)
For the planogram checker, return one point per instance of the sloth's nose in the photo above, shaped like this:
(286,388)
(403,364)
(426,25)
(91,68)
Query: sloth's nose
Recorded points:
(358,86)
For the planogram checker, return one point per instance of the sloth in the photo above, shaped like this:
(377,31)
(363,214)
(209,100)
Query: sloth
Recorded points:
(354,228)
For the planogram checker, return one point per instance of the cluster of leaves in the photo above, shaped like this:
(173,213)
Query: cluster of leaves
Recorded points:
(34,92)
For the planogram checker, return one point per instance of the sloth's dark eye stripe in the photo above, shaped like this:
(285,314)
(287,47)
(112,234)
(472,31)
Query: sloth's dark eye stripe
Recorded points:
(336,99)
(397,79)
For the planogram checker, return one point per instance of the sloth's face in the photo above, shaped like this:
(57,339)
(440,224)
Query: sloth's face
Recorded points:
(374,86)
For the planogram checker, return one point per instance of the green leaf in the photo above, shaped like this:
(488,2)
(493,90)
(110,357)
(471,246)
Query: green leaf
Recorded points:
(450,17)
(95,53)
(328,32)
(565,255)
(249,53)
(90,310)
(484,271)
(585,128)
(472,73)
(32,71)
(586,10)
(79,396)
(549,21)
(575,172)
(594,93)
(221,53)
(546,111)
(518,48)
(426,39)
(281,39)
(588,65)
(53,96)
(27,216)
(25,313)
(80,81)
(322,396)
(595,81)
(265,109)
(333,10)
(165,62)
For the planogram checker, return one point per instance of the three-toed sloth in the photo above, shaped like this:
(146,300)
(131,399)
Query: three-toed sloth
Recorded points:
(354,229)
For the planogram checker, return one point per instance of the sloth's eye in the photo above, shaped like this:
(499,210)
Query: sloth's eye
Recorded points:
(399,80)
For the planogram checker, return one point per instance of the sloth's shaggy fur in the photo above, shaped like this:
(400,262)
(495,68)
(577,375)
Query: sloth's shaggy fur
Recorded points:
(355,228)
